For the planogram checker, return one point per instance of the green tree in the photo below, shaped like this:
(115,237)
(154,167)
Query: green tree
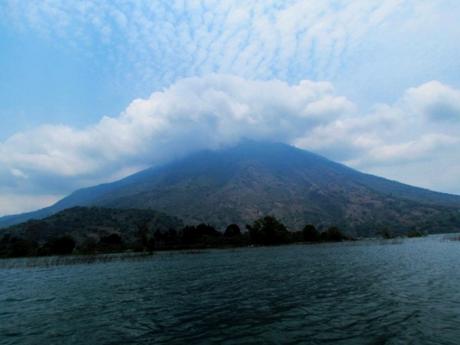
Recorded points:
(232,230)
(310,234)
(268,231)
(61,246)
(333,234)
(110,243)
(18,247)
(144,243)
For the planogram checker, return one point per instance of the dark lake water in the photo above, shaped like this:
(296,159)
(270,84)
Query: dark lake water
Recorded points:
(373,292)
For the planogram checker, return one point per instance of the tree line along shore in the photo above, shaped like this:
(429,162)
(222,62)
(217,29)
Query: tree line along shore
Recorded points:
(266,231)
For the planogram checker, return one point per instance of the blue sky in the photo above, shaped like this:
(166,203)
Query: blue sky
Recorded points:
(374,85)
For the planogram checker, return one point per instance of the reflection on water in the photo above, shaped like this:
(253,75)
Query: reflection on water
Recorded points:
(359,293)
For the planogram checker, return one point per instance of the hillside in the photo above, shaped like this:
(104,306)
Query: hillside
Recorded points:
(92,223)
(252,179)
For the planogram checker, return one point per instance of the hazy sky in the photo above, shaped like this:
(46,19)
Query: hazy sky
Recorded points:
(91,91)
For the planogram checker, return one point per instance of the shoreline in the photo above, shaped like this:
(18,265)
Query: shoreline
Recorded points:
(76,259)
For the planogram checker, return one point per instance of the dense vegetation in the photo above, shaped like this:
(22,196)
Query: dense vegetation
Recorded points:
(96,230)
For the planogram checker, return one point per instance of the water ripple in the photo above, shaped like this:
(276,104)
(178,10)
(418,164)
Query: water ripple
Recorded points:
(343,294)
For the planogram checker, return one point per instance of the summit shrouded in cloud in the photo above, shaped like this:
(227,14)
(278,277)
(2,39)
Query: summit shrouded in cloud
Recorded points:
(93,91)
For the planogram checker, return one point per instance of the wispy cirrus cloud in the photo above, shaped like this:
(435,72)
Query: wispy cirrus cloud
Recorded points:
(159,42)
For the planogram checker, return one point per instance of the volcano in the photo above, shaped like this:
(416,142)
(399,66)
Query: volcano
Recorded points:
(241,183)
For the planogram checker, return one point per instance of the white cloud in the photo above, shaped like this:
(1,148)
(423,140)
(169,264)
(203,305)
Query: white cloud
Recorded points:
(414,140)
(209,112)
(438,102)
(14,203)
(18,173)
(194,113)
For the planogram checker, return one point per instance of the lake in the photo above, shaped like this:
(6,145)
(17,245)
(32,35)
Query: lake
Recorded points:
(366,292)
